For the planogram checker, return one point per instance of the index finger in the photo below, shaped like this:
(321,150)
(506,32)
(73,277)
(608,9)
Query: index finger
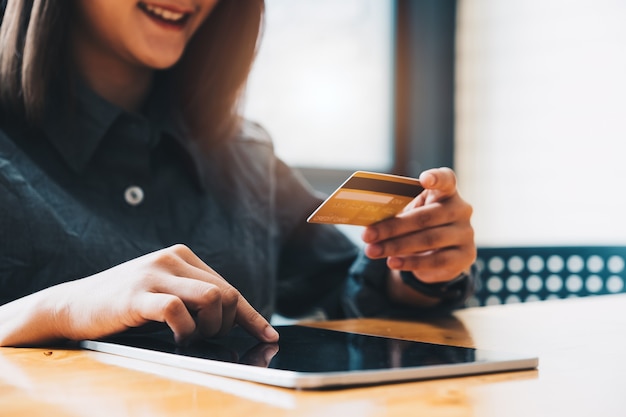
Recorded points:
(254,323)
(246,316)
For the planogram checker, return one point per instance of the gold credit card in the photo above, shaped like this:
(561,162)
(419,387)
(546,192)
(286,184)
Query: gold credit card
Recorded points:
(366,198)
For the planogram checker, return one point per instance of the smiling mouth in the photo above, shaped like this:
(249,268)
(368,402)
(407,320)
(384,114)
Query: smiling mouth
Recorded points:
(163,15)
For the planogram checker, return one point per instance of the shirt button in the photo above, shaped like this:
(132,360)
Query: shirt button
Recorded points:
(133,195)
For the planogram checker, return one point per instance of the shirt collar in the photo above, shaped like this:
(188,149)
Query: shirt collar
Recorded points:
(170,122)
(78,123)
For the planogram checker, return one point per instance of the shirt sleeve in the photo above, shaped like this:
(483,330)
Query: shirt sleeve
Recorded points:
(364,294)
(314,259)
(15,248)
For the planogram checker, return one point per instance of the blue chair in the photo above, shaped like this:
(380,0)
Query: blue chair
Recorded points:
(523,274)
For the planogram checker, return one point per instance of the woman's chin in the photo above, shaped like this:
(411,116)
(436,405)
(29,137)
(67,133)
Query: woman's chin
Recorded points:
(161,61)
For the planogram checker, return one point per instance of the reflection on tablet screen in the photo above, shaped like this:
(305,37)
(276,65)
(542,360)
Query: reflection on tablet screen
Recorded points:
(307,349)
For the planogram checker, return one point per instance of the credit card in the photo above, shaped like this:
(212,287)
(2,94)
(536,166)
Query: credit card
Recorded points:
(366,198)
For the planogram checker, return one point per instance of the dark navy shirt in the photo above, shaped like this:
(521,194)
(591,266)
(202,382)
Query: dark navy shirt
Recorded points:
(94,186)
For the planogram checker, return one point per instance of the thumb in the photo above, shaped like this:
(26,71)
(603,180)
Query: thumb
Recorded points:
(439,183)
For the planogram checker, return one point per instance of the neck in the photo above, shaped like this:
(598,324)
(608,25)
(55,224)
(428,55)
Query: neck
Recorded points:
(118,82)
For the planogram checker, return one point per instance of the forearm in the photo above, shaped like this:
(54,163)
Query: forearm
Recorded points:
(29,320)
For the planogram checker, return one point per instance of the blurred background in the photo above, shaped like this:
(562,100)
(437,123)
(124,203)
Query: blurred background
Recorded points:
(525,99)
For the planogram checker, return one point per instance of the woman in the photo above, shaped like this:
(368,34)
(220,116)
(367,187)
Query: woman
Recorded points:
(131,191)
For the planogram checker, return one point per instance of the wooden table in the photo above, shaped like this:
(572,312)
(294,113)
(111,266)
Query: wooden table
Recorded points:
(581,344)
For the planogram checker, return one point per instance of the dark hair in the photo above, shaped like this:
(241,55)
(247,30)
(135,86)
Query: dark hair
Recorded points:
(209,78)
(32,35)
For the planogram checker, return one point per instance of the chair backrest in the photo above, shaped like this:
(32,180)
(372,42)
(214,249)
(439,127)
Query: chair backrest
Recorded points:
(522,274)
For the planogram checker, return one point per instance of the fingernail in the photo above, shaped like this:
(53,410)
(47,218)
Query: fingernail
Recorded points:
(395,262)
(430,180)
(370,235)
(270,334)
(374,250)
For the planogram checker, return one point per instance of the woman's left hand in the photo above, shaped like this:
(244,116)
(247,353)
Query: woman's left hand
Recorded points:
(432,237)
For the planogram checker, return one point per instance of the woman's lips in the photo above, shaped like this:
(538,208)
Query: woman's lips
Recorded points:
(164,16)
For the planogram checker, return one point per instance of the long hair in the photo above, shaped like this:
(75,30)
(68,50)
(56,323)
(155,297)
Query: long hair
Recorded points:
(207,82)
(32,38)
(211,75)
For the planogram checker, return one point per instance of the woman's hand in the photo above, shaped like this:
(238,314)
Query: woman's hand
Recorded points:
(432,237)
(171,285)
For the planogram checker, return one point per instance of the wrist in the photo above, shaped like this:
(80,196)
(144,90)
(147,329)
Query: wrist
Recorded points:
(28,321)
(398,292)
(450,291)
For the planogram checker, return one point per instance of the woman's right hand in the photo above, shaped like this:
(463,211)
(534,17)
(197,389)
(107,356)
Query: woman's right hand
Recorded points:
(171,285)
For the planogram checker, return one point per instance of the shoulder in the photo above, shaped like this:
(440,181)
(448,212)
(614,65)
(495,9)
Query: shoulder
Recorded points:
(247,157)
(253,132)
(251,148)
(12,179)
(7,144)
(13,129)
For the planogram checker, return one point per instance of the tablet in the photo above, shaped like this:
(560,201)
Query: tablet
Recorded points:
(312,358)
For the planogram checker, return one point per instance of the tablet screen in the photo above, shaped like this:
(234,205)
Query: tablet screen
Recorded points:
(325,357)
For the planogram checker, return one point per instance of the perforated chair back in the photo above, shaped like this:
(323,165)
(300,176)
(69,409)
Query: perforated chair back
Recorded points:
(522,274)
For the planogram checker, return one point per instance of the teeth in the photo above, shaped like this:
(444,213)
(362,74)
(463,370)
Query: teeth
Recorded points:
(163,13)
